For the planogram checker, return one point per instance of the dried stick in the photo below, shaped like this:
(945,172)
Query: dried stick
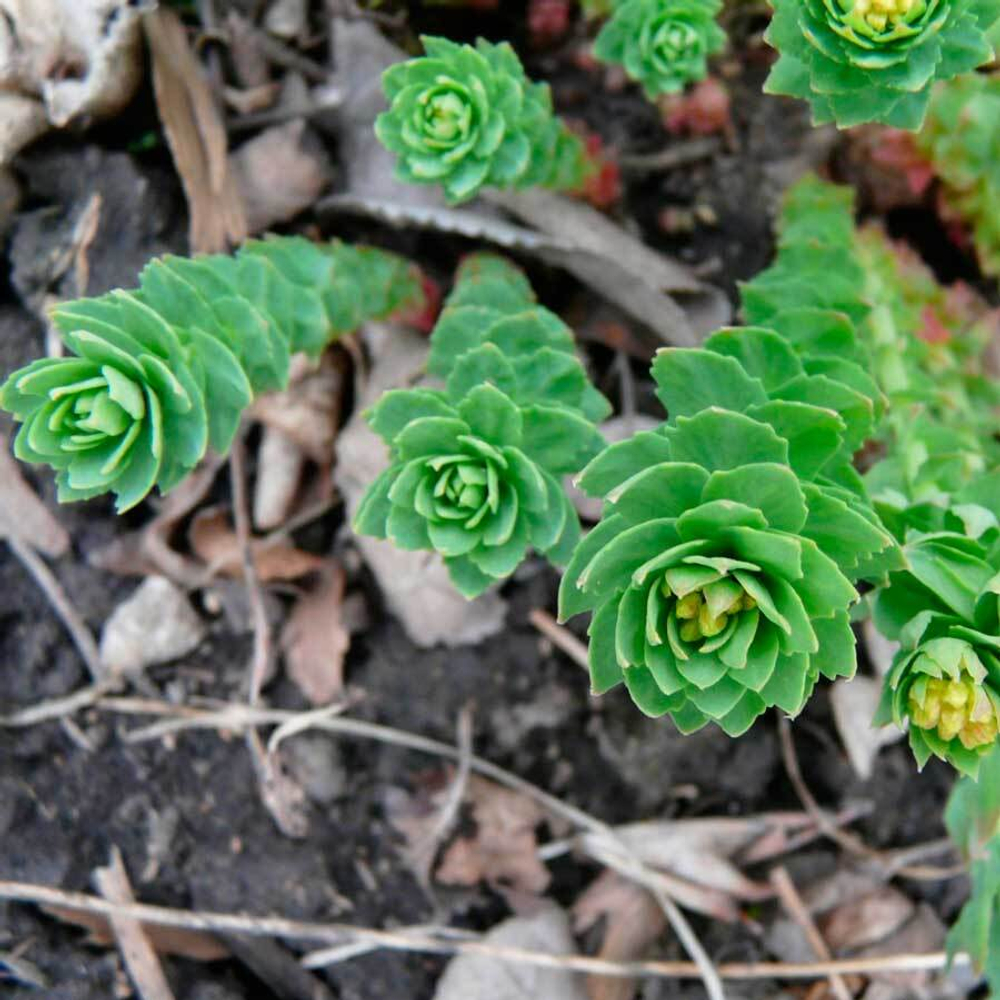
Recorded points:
(796,909)
(852,844)
(560,637)
(139,956)
(444,942)
(61,604)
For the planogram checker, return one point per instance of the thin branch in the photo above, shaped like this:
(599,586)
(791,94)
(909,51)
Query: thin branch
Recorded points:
(58,708)
(559,636)
(139,955)
(796,909)
(432,942)
(61,604)
(889,866)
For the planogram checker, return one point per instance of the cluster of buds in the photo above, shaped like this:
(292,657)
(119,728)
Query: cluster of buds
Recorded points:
(957,709)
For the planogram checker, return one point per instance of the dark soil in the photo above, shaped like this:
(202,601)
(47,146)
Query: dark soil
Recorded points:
(186,813)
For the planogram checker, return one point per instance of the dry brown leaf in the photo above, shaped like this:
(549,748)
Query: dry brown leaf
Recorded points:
(280,172)
(197,945)
(213,539)
(315,639)
(22,513)
(503,851)
(867,920)
(196,135)
(633,920)
(148,550)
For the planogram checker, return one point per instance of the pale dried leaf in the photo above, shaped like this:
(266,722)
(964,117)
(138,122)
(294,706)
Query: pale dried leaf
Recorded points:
(214,540)
(922,934)
(867,920)
(22,121)
(854,704)
(315,639)
(62,60)
(155,624)
(280,172)
(308,410)
(699,850)
(196,136)
(286,18)
(480,977)
(633,920)
(415,585)
(280,464)
(22,513)
(503,851)
(881,651)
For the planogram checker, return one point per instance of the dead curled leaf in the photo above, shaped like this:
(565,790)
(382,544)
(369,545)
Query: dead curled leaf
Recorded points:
(633,920)
(308,410)
(503,851)
(61,61)
(315,639)
(214,540)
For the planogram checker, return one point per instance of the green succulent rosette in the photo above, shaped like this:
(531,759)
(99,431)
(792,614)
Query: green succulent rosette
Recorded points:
(467,117)
(476,467)
(466,482)
(710,603)
(945,680)
(159,374)
(662,44)
(859,61)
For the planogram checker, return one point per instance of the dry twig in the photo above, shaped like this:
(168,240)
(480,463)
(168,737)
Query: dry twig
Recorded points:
(796,909)
(140,958)
(445,941)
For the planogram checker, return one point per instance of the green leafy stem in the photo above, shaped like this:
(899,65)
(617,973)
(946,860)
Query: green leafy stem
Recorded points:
(159,374)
